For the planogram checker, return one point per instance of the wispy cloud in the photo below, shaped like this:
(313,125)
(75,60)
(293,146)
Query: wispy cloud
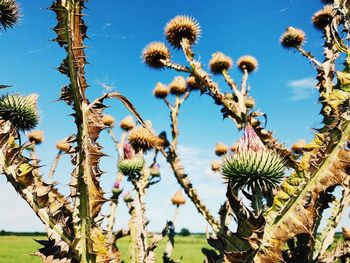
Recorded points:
(302,89)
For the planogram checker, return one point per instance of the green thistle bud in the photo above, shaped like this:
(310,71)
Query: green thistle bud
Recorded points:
(130,167)
(253,166)
(20,111)
(252,170)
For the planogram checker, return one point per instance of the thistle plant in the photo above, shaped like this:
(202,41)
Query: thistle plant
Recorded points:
(287,189)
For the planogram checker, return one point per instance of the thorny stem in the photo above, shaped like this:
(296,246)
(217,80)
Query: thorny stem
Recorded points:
(120,176)
(309,56)
(244,89)
(171,234)
(240,95)
(175,66)
(54,165)
(177,167)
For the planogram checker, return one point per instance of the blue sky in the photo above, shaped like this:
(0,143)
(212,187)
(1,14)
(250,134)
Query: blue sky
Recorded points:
(283,86)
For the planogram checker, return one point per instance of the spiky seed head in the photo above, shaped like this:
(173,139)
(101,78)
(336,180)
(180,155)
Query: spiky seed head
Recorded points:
(249,103)
(108,120)
(20,111)
(9,14)
(178,86)
(219,62)
(221,149)
(142,139)
(215,166)
(155,170)
(192,83)
(178,198)
(130,167)
(182,27)
(248,63)
(160,91)
(323,18)
(127,123)
(253,170)
(292,38)
(63,146)
(36,137)
(154,53)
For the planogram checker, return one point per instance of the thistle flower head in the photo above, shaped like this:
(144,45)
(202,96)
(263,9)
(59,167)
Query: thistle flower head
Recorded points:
(108,120)
(292,38)
(128,151)
(160,91)
(178,198)
(116,190)
(249,103)
(221,149)
(9,14)
(323,18)
(128,198)
(248,63)
(155,170)
(20,111)
(142,139)
(36,137)
(154,53)
(253,166)
(178,86)
(127,123)
(182,27)
(219,62)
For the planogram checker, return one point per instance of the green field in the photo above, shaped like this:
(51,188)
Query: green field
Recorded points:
(17,249)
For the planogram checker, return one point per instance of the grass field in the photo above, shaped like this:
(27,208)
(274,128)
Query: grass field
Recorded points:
(17,249)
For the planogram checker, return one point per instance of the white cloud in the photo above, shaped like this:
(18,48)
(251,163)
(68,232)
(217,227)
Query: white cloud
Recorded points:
(302,88)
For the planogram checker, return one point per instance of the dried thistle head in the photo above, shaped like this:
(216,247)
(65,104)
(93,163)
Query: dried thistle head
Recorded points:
(248,63)
(20,111)
(323,18)
(182,27)
(178,86)
(36,137)
(292,38)
(178,198)
(9,14)
(108,120)
(192,83)
(154,53)
(219,62)
(142,139)
(221,149)
(127,123)
(63,146)
(215,166)
(160,91)
(253,166)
